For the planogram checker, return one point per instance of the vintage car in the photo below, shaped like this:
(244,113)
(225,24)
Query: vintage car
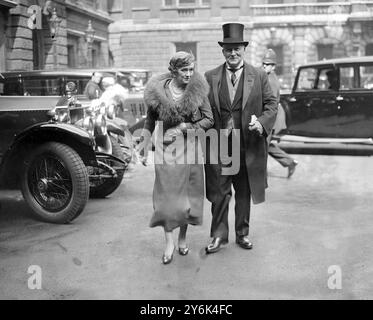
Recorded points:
(42,82)
(53,83)
(330,107)
(59,151)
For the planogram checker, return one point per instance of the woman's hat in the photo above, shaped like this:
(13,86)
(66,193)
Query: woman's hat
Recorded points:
(233,34)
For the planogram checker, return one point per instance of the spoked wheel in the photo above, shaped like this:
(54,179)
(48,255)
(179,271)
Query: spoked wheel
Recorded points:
(55,183)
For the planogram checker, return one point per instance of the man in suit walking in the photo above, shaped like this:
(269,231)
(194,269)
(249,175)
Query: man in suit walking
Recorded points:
(269,64)
(245,108)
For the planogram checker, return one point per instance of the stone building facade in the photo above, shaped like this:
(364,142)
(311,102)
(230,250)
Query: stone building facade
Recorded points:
(26,41)
(146,32)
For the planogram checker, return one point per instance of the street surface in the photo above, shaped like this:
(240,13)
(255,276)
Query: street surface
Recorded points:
(312,240)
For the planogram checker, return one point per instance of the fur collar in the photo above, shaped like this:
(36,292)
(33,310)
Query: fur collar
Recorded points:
(166,109)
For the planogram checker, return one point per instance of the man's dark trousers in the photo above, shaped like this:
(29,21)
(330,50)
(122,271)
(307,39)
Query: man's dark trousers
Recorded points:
(220,206)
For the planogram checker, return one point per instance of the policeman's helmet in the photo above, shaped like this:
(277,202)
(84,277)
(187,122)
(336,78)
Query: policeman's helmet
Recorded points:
(269,57)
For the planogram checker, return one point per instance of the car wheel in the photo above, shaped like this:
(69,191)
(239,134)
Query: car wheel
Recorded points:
(55,183)
(103,187)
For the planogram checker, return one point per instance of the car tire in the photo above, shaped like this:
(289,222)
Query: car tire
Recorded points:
(55,183)
(108,186)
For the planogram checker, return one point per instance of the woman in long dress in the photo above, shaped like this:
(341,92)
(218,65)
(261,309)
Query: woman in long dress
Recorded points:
(177,107)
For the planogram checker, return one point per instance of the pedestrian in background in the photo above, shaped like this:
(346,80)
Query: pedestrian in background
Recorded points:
(241,98)
(269,64)
(93,90)
(177,102)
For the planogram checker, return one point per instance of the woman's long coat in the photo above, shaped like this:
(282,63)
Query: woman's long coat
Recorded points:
(178,193)
(257,100)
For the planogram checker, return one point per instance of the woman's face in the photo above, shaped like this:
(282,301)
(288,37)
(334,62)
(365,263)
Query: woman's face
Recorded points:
(184,74)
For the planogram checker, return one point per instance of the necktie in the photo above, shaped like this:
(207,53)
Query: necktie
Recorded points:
(233,76)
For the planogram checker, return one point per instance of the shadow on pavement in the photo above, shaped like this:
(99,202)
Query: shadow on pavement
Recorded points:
(13,208)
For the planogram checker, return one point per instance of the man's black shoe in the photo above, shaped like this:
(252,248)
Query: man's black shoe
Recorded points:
(291,168)
(244,242)
(215,245)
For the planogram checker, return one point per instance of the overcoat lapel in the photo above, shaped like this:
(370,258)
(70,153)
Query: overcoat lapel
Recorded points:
(248,84)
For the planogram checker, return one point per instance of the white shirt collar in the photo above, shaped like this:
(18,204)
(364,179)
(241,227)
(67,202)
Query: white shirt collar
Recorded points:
(239,67)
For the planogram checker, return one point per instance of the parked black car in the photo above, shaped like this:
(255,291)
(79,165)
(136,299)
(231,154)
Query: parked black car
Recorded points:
(42,82)
(59,152)
(331,102)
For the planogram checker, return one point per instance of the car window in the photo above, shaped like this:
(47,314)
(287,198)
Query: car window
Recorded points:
(366,77)
(33,87)
(328,79)
(52,87)
(42,87)
(79,82)
(347,78)
(306,79)
(12,87)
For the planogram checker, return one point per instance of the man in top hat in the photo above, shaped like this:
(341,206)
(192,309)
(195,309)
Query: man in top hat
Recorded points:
(245,108)
(269,64)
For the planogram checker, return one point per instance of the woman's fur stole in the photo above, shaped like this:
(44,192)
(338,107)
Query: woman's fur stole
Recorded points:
(166,109)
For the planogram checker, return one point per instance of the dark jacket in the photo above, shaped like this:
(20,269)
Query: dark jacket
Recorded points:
(92,90)
(258,100)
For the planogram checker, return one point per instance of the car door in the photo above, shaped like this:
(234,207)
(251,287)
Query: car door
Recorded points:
(355,101)
(312,104)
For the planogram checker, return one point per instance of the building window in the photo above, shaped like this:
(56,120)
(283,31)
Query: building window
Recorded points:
(38,49)
(72,51)
(275,1)
(324,51)
(71,56)
(279,50)
(187,47)
(369,49)
(97,60)
(186,3)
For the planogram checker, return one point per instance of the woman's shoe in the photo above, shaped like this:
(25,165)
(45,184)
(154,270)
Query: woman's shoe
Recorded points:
(183,251)
(168,259)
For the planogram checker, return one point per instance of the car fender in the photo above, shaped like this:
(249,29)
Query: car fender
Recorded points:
(77,138)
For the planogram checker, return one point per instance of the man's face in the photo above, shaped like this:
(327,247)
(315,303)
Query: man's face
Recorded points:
(233,54)
(268,67)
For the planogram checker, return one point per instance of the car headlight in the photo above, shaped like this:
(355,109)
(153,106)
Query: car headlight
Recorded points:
(100,125)
(89,125)
(111,112)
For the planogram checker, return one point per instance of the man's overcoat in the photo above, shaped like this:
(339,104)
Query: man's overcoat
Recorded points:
(258,100)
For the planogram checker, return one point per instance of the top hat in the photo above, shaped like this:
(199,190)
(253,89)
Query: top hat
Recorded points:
(233,34)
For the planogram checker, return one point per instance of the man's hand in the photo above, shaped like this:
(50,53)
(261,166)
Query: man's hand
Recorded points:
(255,125)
